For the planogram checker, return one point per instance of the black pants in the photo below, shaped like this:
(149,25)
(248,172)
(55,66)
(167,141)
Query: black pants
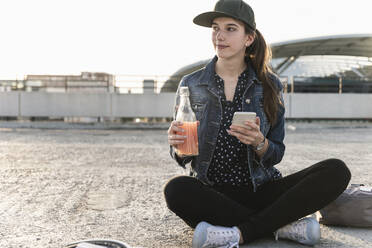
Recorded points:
(258,214)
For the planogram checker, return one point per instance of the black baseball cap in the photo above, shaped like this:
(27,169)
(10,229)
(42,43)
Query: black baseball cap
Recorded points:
(237,9)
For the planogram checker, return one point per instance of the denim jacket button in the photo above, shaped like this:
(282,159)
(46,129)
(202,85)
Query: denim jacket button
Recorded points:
(247,101)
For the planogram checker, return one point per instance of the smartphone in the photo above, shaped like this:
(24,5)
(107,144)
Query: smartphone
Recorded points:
(240,117)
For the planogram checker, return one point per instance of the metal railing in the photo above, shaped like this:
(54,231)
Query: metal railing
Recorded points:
(155,84)
(326,85)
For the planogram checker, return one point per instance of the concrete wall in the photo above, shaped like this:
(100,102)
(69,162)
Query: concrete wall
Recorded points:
(143,105)
(65,104)
(9,103)
(42,104)
(327,106)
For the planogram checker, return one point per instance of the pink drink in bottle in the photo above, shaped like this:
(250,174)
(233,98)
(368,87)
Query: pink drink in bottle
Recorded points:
(189,124)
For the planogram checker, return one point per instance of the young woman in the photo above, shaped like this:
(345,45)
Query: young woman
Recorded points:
(234,194)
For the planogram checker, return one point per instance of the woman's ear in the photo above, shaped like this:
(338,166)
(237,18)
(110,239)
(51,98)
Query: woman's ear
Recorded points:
(249,40)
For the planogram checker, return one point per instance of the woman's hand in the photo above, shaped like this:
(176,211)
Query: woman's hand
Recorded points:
(249,135)
(174,134)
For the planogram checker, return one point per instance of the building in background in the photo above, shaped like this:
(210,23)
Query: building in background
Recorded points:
(328,64)
(85,82)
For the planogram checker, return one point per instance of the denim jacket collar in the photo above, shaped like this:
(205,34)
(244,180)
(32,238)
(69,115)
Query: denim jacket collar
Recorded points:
(207,77)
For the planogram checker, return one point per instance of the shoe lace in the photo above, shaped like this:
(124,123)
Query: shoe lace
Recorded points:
(222,239)
(294,231)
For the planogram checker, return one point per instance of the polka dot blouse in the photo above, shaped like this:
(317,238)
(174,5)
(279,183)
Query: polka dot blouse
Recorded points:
(229,165)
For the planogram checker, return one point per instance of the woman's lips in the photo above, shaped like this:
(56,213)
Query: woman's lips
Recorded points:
(221,46)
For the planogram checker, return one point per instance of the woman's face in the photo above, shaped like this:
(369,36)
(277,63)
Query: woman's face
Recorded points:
(229,38)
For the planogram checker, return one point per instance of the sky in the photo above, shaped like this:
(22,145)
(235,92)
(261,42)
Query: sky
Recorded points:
(147,37)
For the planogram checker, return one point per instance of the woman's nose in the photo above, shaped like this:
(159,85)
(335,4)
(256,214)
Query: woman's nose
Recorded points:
(219,35)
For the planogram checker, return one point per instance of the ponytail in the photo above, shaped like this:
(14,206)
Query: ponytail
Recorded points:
(260,55)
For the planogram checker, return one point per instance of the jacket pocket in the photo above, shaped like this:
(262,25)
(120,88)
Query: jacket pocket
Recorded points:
(198,109)
(198,106)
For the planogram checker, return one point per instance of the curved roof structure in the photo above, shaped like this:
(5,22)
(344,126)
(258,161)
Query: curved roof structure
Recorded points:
(356,45)
(172,83)
(344,53)
(345,45)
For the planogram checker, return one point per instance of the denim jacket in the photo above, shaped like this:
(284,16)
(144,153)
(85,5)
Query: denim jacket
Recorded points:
(206,105)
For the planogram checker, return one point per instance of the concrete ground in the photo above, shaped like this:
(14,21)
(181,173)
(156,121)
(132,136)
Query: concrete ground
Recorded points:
(62,185)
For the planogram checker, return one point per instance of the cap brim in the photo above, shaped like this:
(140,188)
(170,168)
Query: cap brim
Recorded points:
(205,19)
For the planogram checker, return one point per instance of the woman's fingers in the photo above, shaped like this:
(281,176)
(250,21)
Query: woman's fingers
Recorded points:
(258,121)
(248,140)
(253,125)
(175,142)
(177,123)
(248,134)
(174,139)
(175,132)
(248,130)
(175,127)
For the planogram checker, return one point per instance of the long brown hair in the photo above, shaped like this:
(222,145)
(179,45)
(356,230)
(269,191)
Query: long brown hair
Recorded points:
(260,55)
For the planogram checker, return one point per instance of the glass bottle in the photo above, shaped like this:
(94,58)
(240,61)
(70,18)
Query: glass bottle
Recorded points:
(189,125)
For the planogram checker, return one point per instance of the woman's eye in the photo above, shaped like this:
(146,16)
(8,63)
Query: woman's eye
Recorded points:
(214,28)
(230,29)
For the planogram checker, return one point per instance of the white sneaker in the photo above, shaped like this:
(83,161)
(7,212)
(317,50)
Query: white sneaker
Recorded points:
(208,236)
(305,231)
